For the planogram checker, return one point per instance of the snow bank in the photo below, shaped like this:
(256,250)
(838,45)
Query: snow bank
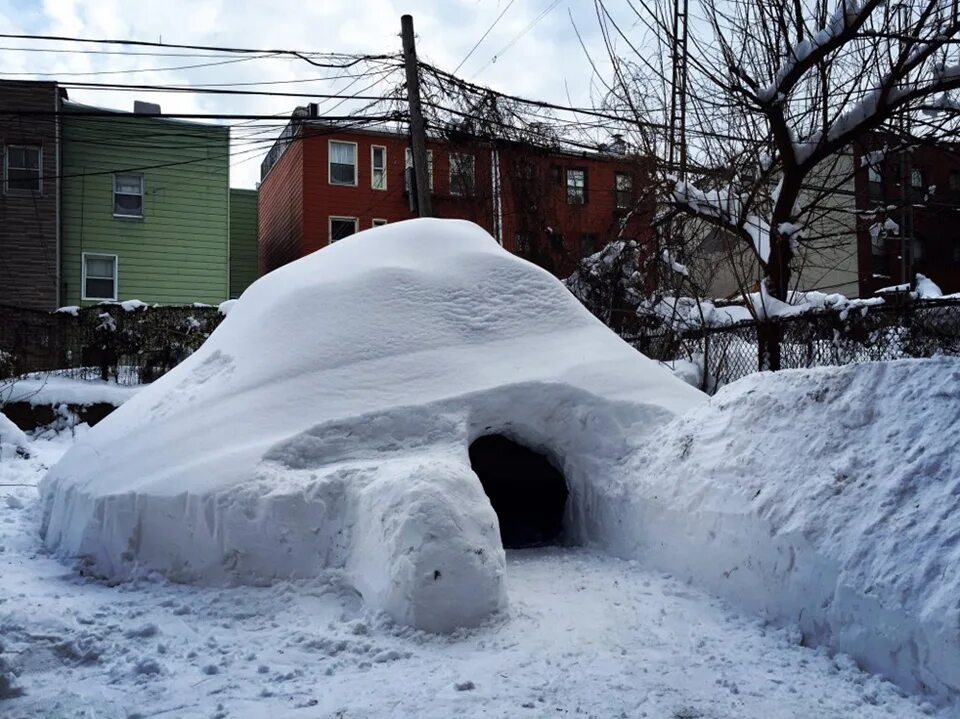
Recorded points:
(825,498)
(51,389)
(325,425)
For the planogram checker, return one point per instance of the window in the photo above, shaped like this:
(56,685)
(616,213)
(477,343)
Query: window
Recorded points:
(623,184)
(409,168)
(521,243)
(461,174)
(556,240)
(99,277)
(588,244)
(128,195)
(341,227)
(954,180)
(378,167)
(378,222)
(343,163)
(916,178)
(576,187)
(873,174)
(22,168)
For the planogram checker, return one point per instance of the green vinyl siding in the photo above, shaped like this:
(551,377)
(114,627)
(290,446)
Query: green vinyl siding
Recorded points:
(178,251)
(243,240)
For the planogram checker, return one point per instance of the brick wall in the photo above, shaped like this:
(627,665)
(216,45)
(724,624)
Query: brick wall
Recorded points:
(29,237)
(298,200)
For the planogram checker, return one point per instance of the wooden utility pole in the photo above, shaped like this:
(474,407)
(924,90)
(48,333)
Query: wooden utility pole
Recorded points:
(418,135)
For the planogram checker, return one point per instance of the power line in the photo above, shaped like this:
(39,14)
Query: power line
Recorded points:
(306,56)
(123,87)
(145,69)
(168,116)
(546,11)
(482,37)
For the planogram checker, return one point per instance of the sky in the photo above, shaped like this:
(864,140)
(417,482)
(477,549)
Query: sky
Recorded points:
(533,50)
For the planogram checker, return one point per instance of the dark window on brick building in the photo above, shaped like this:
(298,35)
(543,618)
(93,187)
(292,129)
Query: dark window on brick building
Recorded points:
(624,190)
(22,168)
(576,187)
(341,227)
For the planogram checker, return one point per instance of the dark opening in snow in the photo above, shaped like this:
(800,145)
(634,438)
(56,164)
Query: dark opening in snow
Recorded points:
(527,492)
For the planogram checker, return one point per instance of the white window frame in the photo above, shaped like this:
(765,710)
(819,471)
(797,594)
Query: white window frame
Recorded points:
(6,168)
(356,168)
(83,275)
(143,195)
(378,222)
(408,163)
(582,187)
(473,173)
(373,168)
(331,218)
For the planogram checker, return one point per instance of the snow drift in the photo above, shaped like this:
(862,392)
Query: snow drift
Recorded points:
(325,425)
(826,498)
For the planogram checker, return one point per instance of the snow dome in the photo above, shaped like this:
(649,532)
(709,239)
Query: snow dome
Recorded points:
(335,420)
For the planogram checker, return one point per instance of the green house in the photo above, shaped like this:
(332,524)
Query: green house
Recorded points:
(145,208)
(243,240)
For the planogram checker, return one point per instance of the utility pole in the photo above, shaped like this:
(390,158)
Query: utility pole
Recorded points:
(677,141)
(418,135)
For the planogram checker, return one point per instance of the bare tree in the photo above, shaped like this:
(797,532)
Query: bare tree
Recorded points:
(778,92)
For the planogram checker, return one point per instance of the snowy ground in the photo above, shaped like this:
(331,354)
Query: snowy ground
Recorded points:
(585,635)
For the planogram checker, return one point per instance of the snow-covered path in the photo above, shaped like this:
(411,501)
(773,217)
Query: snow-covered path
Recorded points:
(585,635)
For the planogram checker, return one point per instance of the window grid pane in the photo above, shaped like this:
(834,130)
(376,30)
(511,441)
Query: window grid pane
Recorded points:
(576,187)
(100,277)
(341,227)
(624,190)
(23,168)
(379,174)
(343,163)
(461,174)
(409,166)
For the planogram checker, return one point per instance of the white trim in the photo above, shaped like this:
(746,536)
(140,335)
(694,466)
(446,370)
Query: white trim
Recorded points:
(356,164)
(372,168)
(6,169)
(331,218)
(378,222)
(83,275)
(143,195)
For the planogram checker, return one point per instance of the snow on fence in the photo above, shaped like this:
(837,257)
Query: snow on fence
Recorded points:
(128,343)
(829,336)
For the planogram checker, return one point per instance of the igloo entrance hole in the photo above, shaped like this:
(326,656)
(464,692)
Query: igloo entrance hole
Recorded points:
(527,492)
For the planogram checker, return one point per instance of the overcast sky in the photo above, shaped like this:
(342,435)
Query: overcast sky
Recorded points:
(544,61)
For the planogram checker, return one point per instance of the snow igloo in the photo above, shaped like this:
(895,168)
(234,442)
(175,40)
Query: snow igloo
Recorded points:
(364,410)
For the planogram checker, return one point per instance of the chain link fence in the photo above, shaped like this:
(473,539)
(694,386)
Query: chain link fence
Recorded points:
(124,343)
(922,328)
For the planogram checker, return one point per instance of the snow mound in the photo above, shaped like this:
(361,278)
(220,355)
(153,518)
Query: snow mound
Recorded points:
(325,424)
(825,498)
(13,442)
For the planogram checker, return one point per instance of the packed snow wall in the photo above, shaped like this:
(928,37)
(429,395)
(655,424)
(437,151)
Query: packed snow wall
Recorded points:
(325,425)
(828,499)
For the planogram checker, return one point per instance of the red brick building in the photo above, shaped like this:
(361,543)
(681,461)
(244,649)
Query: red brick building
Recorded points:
(321,183)
(30,195)
(918,190)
